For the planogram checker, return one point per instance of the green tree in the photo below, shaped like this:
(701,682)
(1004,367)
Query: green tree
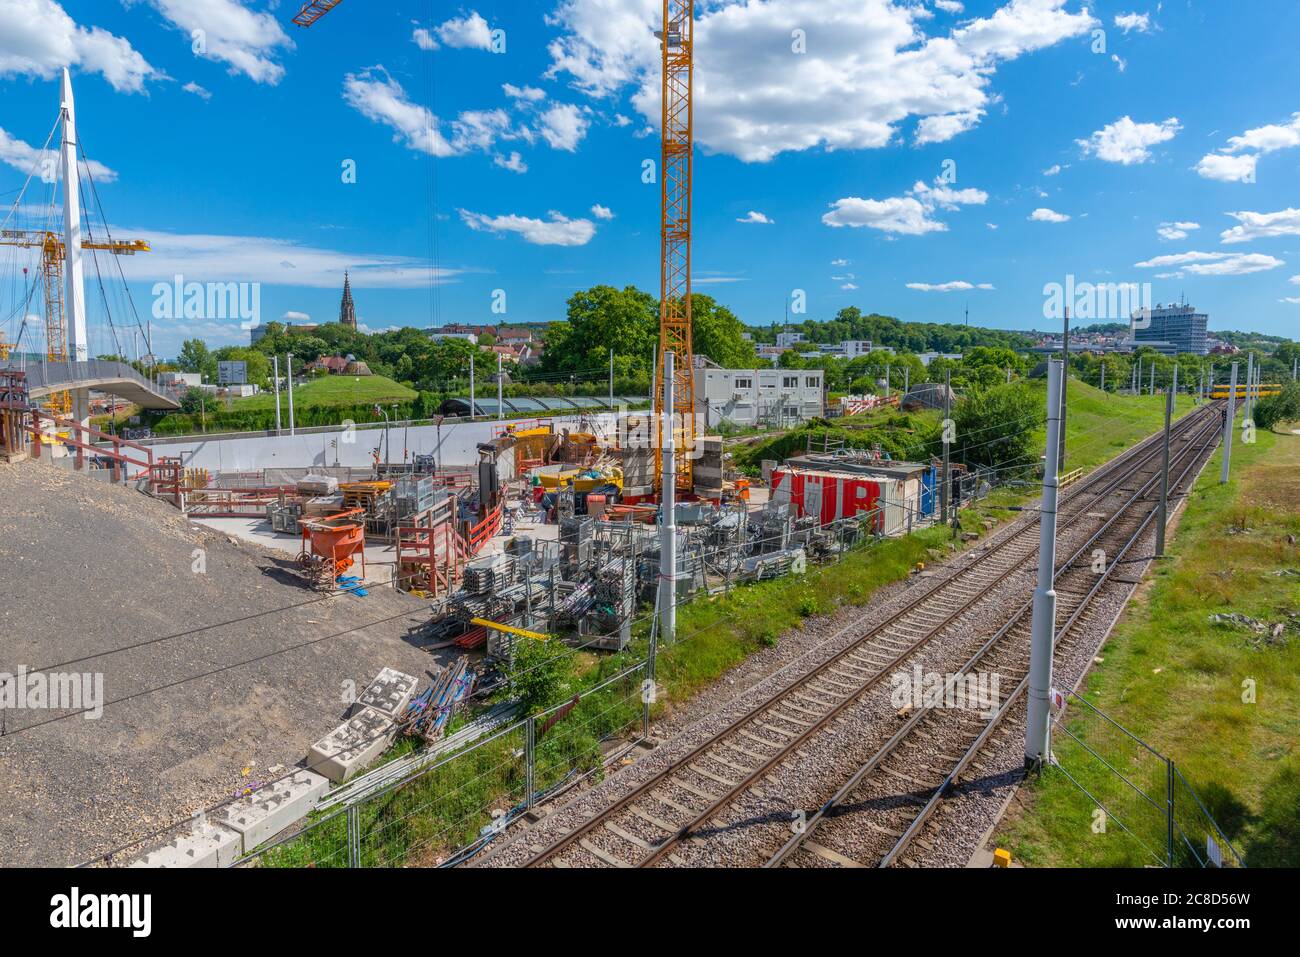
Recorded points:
(718,334)
(196,358)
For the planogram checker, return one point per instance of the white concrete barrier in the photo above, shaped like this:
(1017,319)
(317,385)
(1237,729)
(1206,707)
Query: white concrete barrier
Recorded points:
(265,813)
(389,694)
(212,846)
(455,445)
(352,745)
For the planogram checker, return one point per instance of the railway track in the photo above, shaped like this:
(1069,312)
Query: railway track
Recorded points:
(872,820)
(643,827)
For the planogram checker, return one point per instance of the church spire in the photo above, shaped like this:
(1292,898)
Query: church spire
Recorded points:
(347,311)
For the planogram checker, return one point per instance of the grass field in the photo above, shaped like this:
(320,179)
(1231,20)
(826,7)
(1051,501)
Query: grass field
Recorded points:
(335,390)
(1221,700)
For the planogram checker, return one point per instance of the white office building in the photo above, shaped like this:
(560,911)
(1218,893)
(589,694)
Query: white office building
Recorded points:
(745,397)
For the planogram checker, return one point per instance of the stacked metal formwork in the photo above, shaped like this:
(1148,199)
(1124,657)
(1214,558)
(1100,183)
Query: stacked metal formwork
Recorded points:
(14,406)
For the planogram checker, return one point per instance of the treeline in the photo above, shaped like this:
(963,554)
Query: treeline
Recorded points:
(852,323)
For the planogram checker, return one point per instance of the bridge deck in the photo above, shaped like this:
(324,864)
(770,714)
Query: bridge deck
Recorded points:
(114,378)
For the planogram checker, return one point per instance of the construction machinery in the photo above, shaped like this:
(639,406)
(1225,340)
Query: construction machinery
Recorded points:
(675,327)
(53,256)
(313,11)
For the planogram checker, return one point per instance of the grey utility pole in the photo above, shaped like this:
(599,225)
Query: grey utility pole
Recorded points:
(1250,385)
(1065,384)
(1103,375)
(1137,377)
(945,492)
(275,375)
(1038,737)
(611,379)
(288,374)
(501,391)
(1153,377)
(668,506)
(1163,518)
(1228,420)
(472,408)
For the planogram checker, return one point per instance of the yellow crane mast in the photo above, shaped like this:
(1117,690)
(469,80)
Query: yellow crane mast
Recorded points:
(675,325)
(53,254)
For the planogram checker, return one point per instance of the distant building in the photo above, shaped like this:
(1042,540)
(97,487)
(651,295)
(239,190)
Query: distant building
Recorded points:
(1179,325)
(758,396)
(306,329)
(787,340)
(439,336)
(347,310)
(855,347)
(928,357)
(179,379)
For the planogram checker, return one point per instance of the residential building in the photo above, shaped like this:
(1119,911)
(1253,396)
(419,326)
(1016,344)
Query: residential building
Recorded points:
(788,340)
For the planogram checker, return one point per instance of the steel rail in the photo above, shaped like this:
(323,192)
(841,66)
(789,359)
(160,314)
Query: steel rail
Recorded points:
(1134,458)
(904,733)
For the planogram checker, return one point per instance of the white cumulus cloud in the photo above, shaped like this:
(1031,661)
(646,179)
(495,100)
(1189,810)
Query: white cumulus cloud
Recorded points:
(956,286)
(378,97)
(756,217)
(909,215)
(556,230)
(1238,161)
(1254,226)
(1215,264)
(1172,232)
(1044,215)
(869,67)
(1127,142)
(38,39)
(228,32)
(1128,22)
(564,126)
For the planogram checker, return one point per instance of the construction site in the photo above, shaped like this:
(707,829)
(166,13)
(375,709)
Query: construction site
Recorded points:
(251,651)
(271,592)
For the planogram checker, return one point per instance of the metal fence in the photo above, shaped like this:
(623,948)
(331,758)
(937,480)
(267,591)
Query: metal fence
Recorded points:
(1139,793)
(447,810)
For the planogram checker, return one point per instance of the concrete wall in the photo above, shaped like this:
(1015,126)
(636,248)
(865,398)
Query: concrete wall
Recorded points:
(459,443)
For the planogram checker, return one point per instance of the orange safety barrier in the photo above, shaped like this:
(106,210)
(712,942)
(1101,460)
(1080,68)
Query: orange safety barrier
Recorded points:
(81,438)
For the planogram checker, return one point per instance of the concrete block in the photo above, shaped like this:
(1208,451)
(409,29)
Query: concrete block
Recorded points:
(389,694)
(352,745)
(265,813)
(213,846)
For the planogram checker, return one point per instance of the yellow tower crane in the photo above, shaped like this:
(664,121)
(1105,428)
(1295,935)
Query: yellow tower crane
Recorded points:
(313,11)
(675,326)
(53,254)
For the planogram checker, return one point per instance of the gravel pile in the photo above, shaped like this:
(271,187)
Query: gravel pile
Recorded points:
(92,567)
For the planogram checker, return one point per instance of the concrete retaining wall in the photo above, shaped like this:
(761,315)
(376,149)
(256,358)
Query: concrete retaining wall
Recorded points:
(459,443)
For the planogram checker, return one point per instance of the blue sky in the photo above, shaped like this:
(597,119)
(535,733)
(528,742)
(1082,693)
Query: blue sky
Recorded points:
(910,158)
